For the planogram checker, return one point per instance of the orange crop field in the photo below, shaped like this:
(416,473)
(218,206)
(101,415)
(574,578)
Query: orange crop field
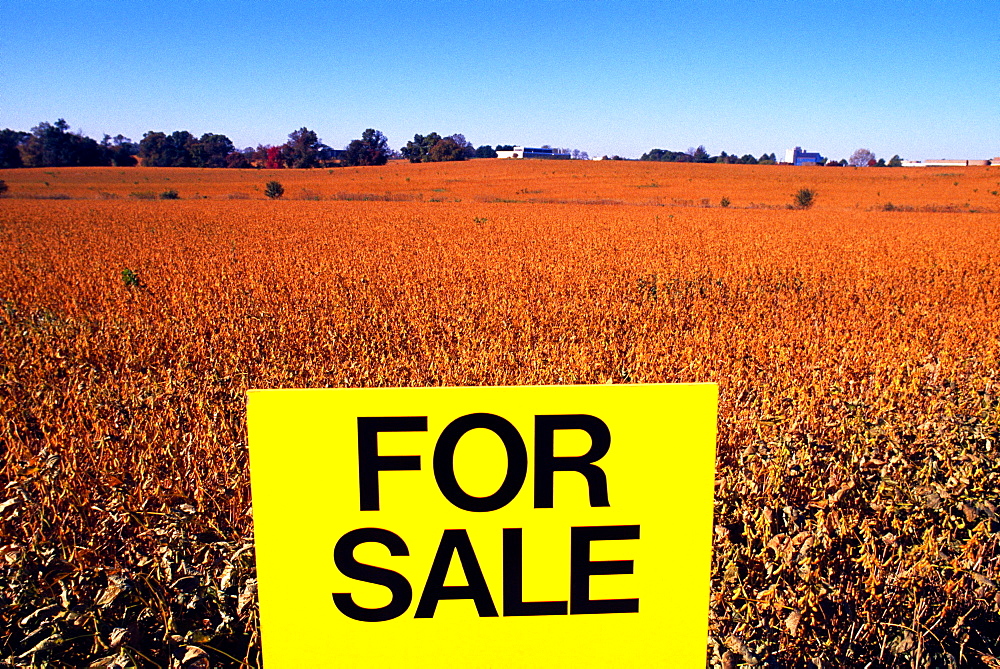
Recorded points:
(855,342)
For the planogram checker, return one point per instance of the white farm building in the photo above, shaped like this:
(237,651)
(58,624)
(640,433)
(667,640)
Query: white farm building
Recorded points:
(529,152)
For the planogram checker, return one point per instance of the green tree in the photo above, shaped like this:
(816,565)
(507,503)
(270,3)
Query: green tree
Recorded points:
(446,149)
(486,151)
(666,156)
(418,151)
(211,150)
(119,150)
(468,151)
(153,149)
(699,155)
(302,149)
(240,159)
(895,161)
(53,145)
(10,148)
(371,149)
(174,150)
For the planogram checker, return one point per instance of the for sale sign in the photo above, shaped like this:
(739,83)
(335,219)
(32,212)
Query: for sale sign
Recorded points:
(559,526)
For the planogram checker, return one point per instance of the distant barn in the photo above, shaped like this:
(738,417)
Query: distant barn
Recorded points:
(797,156)
(529,152)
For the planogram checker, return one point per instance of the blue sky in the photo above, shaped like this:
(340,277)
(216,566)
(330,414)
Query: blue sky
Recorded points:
(918,78)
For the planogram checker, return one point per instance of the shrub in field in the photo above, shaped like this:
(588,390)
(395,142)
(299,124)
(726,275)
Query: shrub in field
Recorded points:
(131,278)
(3,186)
(804,198)
(170,195)
(724,202)
(274,190)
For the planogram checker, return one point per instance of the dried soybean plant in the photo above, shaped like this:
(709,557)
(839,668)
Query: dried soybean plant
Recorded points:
(856,350)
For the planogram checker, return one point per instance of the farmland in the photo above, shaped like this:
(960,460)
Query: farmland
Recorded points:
(855,344)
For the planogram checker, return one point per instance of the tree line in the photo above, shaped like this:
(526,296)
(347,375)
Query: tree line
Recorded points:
(860,158)
(701,155)
(56,145)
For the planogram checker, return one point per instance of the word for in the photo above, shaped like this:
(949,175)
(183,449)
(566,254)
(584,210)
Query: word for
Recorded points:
(370,463)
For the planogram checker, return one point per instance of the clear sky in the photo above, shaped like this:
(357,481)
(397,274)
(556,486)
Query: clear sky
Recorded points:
(917,78)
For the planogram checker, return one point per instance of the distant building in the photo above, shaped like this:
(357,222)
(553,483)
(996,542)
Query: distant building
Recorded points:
(797,156)
(528,152)
(949,163)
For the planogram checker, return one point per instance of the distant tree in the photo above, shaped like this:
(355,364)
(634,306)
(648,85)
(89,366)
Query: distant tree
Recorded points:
(211,150)
(446,149)
(485,151)
(468,150)
(748,159)
(272,158)
(180,143)
(861,158)
(434,148)
(880,163)
(505,147)
(577,154)
(699,155)
(418,151)
(152,148)
(174,150)
(371,149)
(10,151)
(767,159)
(119,151)
(665,156)
(302,150)
(240,159)
(53,145)
(258,156)
(895,161)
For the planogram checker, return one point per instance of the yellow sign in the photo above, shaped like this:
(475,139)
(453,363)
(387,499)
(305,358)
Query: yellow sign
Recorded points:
(554,526)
